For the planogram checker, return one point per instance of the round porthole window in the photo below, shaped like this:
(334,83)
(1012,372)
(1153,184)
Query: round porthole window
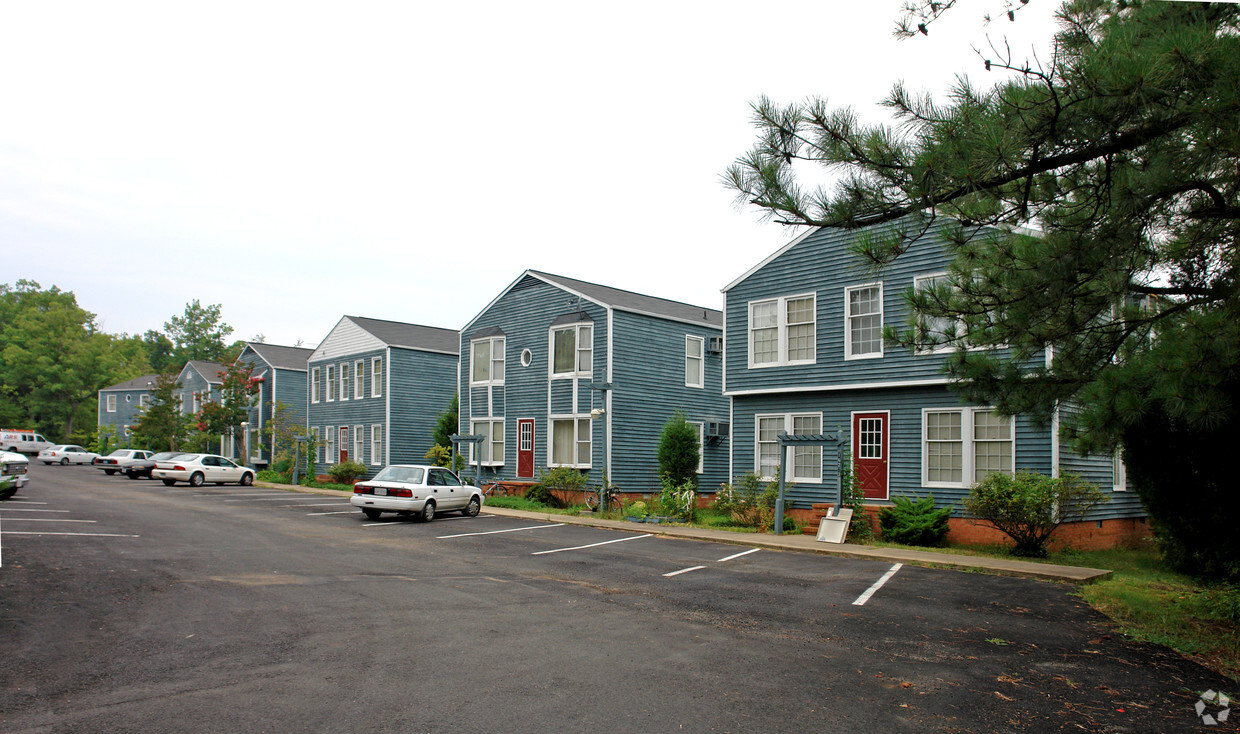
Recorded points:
(127,397)
(526,357)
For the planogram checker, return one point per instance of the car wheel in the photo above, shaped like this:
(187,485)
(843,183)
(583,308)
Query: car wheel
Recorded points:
(7,493)
(247,479)
(131,474)
(64,461)
(196,479)
(48,463)
(371,514)
(471,510)
(428,511)
(109,472)
(169,482)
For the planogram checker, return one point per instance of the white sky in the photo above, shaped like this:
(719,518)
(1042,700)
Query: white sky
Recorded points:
(295,162)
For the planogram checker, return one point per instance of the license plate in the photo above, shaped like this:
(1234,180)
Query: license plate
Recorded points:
(381,491)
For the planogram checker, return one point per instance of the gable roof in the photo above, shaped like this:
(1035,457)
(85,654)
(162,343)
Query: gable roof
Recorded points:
(795,241)
(145,382)
(411,336)
(212,372)
(285,358)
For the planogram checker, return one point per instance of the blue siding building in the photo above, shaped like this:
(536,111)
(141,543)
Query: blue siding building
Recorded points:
(557,372)
(198,383)
(121,404)
(280,373)
(375,391)
(805,355)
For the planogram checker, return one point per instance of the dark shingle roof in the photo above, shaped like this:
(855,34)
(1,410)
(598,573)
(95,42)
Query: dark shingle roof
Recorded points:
(145,382)
(285,358)
(630,301)
(212,371)
(411,336)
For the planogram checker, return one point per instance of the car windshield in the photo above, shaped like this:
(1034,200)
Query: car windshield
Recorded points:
(121,452)
(410,474)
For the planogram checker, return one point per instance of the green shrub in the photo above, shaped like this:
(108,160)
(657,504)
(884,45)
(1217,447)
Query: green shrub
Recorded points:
(748,501)
(914,522)
(555,485)
(282,466)
(346,471)
(270,475)
(679,452)
(439,455)
(1028,507)
(637,509)
(852,497)
(678,500)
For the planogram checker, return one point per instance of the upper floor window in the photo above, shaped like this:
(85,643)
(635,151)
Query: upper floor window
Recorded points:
(314,384)
(942,332)
(863,316)
(111,400)
(359,379)
(376,377)
(963,445)
(572,348)
(144,401)
(331,383)
(486,358)
(782,331)
(344,382)
(695,373)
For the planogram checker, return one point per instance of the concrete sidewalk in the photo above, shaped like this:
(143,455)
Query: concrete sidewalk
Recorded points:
(799,543)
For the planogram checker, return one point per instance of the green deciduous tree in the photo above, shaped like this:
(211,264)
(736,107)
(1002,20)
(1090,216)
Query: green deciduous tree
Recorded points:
(237,391)
(1123,148)
(198,334)
(162,426)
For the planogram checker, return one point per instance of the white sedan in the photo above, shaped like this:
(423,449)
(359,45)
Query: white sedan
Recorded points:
(415,490)
(67,454)
(119,459)
(198,469)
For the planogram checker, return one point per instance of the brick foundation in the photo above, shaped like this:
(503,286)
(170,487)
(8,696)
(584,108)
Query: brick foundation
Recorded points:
(1088,535)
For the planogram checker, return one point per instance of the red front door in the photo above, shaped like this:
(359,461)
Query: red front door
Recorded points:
(870,453)
(344,445)
(525,447)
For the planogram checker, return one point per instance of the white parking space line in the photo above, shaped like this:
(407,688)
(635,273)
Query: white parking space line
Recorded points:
(738,555)
(83,535)
(342,512)
(23,502)
(263,499)
(877,585)
(592,545)
(22,509)
(323,504)
(494,532)
(231,494)
(684,570)
(44,519)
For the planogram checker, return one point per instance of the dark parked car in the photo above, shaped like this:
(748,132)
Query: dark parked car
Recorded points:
(142,467)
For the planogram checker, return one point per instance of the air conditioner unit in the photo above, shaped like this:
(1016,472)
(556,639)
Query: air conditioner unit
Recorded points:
(714,345)
(718,430)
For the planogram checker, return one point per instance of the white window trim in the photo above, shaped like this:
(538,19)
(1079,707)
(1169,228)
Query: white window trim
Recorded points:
(359,381)
(492,340)
(330,391)
(967,469)
(342,381)
(701,435)
(376,444)
(376,377)
(576,418)
(110,401)
(960,330)
(1119,473)
(329,446)
(318,443)
(781,330)
(495,423)
(144,401)
(789,476)
(882,316)
(577,350)
(315,387)
(359,445)
(701,361)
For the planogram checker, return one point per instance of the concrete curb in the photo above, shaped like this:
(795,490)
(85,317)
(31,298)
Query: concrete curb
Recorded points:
(800,544)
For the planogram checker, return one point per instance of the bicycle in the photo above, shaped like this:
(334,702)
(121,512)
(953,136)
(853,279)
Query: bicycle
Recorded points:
(611,499)
(494,489)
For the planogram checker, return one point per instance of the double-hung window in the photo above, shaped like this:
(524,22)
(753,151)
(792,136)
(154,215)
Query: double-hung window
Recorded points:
(486,357)
(572,349)
(359,379)
(359,445)
(806,465)
(331,383)
(695,362)
(144,401)
(492,444)
(782,331)
(330,456)
(111,400)
(701,437)
(571,441)
(376,377)
(376,444)
(863,316)
(345,385)
(314,436)
(961,446)
(314,384)
(941,332)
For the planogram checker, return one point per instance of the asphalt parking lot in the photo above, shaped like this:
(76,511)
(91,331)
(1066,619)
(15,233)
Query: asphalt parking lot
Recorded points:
(129,605)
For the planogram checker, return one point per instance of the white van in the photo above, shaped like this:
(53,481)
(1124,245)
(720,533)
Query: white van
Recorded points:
(22,441)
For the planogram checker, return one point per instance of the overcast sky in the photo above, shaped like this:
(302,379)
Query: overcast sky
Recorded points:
(295,162)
